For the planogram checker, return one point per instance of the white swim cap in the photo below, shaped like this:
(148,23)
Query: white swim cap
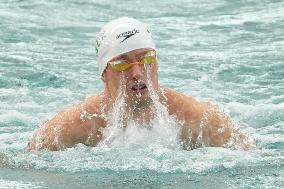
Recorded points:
(120,36)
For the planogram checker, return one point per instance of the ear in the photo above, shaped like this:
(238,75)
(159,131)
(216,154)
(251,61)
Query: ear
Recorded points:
(103,77)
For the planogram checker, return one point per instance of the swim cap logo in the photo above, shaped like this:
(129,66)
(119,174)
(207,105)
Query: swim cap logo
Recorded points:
(127,34)
(100,38)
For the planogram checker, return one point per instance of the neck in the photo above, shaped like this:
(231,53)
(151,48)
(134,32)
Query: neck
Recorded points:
(142,112)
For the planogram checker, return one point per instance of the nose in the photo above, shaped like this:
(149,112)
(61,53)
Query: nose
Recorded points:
(137,71)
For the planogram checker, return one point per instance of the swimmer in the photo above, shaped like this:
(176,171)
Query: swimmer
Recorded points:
(127,61)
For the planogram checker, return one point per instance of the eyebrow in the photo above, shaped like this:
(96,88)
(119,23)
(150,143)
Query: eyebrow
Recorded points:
(126,57)
(123,56)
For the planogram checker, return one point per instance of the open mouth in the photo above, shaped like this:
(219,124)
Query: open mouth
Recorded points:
(139,86)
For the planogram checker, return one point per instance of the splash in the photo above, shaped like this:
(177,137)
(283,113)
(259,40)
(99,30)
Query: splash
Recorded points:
(115,118)
(162,129)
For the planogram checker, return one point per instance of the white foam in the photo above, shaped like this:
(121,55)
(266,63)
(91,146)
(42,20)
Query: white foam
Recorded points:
(14,115)
(4,184)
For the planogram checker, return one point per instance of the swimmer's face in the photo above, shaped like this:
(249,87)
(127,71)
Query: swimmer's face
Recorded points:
(133,79)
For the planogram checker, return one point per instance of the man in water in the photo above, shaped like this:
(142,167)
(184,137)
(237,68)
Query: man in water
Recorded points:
(128,67)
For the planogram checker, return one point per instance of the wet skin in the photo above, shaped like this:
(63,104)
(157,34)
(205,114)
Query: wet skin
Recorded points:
(81,123)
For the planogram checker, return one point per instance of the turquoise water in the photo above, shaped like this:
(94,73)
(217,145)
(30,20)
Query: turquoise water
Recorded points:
(227,52)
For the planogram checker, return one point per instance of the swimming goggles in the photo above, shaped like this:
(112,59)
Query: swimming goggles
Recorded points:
(121,65)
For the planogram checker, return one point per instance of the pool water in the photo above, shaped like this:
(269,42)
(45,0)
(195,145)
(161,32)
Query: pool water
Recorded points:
(228,52)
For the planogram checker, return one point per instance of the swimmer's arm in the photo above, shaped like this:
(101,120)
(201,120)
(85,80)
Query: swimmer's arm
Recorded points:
(203,124)
(65,130)
(218,130)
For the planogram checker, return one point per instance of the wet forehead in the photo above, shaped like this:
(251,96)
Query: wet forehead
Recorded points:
(132,54)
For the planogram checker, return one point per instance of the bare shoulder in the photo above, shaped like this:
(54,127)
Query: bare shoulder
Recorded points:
(184,106)
(93,108)
(92,104)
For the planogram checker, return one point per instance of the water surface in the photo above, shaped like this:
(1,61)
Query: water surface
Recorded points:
(228,52)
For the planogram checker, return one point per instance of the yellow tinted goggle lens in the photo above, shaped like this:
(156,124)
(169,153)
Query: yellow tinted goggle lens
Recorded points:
(148,60)
(122,65)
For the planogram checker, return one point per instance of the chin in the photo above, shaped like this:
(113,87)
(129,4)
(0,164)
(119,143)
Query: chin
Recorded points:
(139,98)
